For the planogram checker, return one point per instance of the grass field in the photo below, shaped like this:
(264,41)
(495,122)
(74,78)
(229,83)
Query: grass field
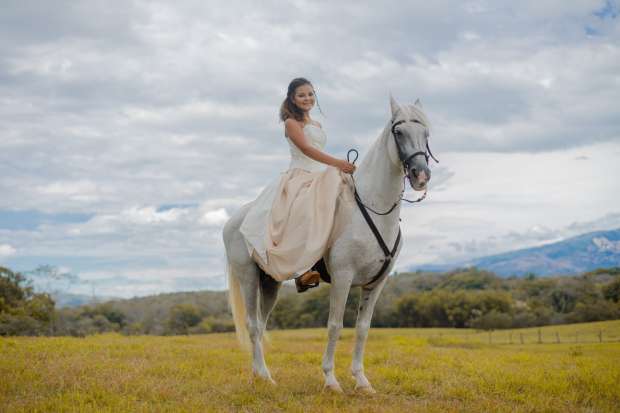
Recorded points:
(426,370)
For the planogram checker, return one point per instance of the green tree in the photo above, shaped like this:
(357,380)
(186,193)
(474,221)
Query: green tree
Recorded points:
(611,291)
(598,311)
(492,320)
(471,279)
(563,300)
(22,311)
(182,317)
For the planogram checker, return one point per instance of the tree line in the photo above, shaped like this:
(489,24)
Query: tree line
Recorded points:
(463,298)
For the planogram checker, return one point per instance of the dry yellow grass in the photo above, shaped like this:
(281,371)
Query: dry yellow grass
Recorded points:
(412,369)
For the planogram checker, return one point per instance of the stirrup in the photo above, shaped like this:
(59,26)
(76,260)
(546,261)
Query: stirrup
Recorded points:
(301,287)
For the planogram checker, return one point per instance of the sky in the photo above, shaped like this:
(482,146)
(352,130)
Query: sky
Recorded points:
(131,131)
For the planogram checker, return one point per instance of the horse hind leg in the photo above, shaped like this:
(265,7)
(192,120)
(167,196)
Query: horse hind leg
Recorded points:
(255,326)
(269,289)
(243,276)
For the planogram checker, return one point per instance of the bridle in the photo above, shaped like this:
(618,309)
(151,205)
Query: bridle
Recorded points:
(389,254)
(406,160)
(403,157)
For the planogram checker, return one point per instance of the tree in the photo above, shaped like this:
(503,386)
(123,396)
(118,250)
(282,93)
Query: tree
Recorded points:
(22,311)
(598,311)
(492,320)
(563,300)
(51,279)
(471,279)
(182,317)
(611,291)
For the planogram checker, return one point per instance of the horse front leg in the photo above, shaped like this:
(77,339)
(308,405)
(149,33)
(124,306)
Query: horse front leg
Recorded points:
(341,284)
(367,303)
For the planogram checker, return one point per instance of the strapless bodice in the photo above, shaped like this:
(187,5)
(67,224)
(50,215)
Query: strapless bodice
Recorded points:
(317,138)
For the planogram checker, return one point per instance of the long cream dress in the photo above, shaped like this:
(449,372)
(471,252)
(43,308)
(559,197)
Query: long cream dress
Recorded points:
(295,219)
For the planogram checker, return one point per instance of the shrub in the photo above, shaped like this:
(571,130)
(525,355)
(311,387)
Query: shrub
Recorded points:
(22,311)
(492,320)
(611,291)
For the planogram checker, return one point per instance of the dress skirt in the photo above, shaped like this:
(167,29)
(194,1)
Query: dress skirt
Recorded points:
(296,219)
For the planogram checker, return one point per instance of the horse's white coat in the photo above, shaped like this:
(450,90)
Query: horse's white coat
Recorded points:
(353,260)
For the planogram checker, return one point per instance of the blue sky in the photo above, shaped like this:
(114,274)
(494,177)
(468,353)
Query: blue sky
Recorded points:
(130,132)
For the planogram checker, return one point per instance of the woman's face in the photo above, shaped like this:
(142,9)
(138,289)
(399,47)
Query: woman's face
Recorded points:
(303,97)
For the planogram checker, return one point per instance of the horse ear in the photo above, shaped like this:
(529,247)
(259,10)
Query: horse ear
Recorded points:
(418,103)
(394,105)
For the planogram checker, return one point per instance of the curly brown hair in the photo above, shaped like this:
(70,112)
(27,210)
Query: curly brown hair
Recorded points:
(289,109)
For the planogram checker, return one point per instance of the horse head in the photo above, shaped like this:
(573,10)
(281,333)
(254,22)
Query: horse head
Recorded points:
(410,130)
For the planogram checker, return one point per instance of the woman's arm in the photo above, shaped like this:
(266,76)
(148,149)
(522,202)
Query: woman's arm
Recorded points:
(295,132)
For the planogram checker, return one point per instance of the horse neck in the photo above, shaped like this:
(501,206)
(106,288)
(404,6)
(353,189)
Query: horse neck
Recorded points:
(378,180)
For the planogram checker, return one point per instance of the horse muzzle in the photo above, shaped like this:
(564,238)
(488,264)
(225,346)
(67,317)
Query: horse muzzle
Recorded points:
(418,180)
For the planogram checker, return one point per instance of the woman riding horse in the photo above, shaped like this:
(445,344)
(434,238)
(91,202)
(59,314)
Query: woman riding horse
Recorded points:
(296,218)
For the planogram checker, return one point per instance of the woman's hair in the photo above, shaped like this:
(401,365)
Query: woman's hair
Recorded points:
(289,109)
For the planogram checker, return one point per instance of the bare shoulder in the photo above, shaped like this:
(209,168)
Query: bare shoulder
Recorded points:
(291,121)
(291,125)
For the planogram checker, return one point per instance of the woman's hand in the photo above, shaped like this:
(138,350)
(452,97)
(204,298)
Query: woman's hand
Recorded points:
(346,167)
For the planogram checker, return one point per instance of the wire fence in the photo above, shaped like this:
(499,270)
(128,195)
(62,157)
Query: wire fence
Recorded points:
(538,336)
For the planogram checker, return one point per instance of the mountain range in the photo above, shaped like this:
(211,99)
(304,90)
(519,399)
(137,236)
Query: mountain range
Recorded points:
(586,252)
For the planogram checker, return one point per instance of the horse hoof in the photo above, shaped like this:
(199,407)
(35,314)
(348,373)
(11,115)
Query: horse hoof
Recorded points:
(366,389)
(333,388)
(263,379)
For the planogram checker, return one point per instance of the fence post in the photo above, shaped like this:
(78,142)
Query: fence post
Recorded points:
(490,340)
(510,337)
(557,337)
(600,336)
(539,337)
(521,337)
(577,337)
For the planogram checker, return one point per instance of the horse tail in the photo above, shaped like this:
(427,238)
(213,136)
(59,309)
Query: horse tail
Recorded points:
(237,306)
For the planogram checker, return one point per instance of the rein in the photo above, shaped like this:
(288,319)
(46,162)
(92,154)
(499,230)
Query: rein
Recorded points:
(405,162)
(400,197)
(389,254)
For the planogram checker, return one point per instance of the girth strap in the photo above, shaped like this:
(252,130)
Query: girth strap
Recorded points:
(388,254)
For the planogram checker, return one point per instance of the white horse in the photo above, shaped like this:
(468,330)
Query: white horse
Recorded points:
(355,259)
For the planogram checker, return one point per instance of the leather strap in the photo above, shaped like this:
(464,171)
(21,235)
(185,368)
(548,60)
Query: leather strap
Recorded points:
(388,254)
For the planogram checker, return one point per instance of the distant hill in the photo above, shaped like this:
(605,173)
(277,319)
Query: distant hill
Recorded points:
(63,300)
(462,298)
(575,255)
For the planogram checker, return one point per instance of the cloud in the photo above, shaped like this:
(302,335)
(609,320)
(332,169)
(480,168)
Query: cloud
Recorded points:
(147,281)
(494,203)
(149,215)
(215,218)
(78,191)
(6,250)
(130,138)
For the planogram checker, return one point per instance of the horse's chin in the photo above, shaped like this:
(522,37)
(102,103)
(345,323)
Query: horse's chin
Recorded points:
(419,188)
(417,185)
